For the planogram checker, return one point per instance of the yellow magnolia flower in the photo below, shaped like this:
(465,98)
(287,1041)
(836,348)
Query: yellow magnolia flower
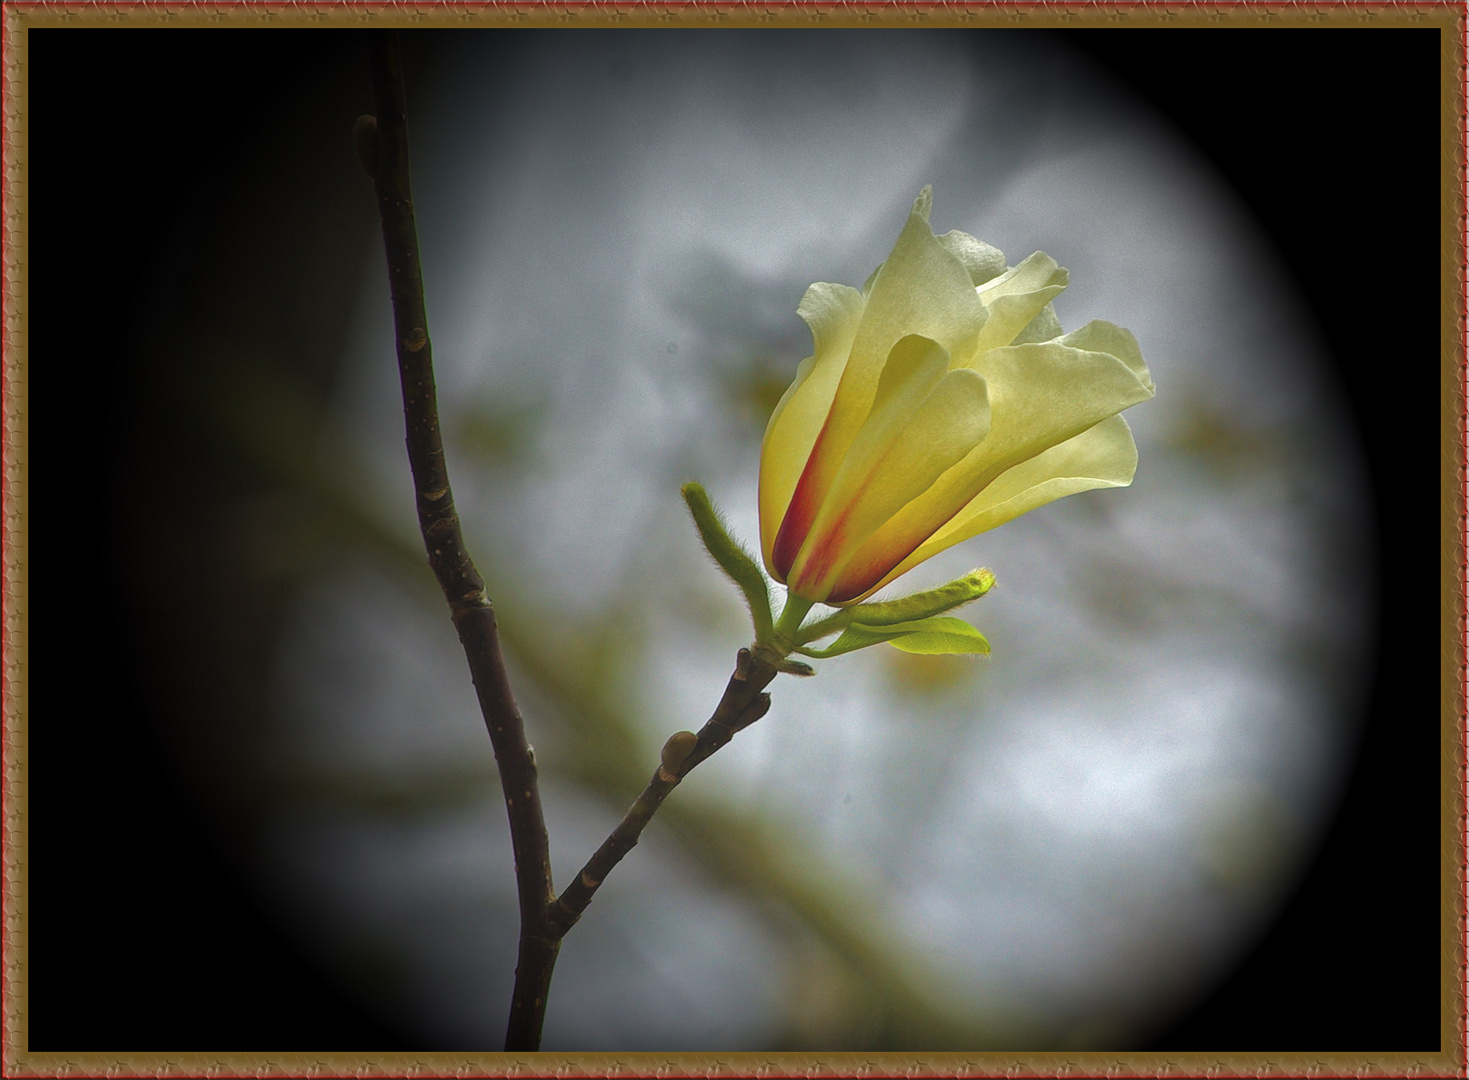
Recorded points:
(938,402)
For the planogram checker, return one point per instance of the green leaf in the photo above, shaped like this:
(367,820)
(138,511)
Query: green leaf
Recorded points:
(732,558)
(905,609)
(939,635)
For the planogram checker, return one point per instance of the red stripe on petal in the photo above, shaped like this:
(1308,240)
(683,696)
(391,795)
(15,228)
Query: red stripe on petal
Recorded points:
(801,513)
(819,560)
(861,574)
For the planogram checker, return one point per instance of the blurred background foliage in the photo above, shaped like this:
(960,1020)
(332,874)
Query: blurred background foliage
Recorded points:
(860,872)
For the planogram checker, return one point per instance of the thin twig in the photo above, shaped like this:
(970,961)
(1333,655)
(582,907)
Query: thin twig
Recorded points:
(385,148)
(742,704)
(382,145)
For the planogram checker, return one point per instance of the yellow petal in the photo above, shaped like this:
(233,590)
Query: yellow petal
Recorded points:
(983,261)
(940,401)
(1040,395)
(832,312)
(953,419)
(816,521)
(1044,327)
(1102,456)
(920,289)
(924,420)
(1046,392)
(1102,336)
(1017,296)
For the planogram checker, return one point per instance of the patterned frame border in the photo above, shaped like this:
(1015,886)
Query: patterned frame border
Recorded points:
(1446,15)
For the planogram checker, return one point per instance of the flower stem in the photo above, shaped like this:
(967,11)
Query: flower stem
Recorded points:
(791,616)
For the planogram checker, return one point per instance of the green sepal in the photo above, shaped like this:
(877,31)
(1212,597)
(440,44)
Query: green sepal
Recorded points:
(935,636)
(905,609)
(732,558)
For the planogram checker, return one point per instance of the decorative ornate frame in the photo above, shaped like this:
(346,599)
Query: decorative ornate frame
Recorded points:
(19,16)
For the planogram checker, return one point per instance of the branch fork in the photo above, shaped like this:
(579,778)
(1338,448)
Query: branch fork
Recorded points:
(381,143)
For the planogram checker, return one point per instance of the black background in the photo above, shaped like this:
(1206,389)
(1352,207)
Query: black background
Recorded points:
(1331,138)
(140,936)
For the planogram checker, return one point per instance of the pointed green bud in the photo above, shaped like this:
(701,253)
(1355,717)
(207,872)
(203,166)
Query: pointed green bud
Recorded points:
(905,609)
(733,559)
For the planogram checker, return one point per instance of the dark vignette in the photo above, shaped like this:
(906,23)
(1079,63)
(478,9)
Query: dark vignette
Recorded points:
(154,155)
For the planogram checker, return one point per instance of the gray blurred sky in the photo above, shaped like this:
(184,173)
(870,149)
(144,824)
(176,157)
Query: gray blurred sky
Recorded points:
(1067,836)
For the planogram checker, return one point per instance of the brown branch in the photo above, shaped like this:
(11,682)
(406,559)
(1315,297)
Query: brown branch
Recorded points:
(383,148)
(742,704)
